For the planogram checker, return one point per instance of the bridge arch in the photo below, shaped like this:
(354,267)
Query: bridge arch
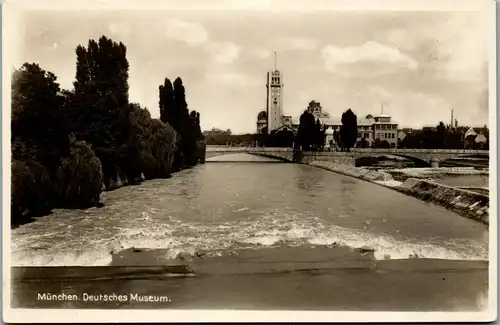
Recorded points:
(418,160)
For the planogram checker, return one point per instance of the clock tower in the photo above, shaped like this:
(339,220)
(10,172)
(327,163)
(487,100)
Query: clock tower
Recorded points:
(274,99)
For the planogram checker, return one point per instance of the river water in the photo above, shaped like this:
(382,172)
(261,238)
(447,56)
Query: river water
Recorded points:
(229,206)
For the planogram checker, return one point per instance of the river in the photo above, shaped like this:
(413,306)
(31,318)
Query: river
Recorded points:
(258,235)
(234,205)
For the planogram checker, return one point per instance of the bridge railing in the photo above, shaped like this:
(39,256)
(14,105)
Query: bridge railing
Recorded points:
(247,149)
(356,150)
(441,151)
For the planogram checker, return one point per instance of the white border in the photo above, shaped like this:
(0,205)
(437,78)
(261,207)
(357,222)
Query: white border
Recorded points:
(10,31)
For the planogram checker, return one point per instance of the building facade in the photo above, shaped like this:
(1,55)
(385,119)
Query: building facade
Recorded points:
(274,101)
(262,122)
(370,128)
(384,129)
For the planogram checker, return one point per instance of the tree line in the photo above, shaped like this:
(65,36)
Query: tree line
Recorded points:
(443,137)
(70,145)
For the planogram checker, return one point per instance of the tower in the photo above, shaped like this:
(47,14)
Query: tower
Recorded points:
(274,105)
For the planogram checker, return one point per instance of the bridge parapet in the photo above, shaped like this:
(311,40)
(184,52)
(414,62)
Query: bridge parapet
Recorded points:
(248,149)
(423,156)
(398,150)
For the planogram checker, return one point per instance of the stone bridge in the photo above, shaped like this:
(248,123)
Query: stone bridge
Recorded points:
(284,154)
(426,157)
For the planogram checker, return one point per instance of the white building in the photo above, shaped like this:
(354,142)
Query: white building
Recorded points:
(385,129)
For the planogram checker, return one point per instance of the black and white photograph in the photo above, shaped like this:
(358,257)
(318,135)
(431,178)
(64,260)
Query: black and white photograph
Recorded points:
(249,160)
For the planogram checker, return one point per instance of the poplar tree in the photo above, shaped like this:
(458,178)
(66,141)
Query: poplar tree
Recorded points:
(348,129)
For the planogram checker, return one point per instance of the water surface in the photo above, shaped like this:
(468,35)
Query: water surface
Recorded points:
(226,207)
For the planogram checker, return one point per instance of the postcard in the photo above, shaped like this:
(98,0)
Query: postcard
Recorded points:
(249,161)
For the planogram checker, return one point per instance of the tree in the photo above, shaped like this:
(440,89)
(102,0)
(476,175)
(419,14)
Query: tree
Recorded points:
(306,134)
(31,189)
(39,139)
(282,138)
(101,101)
(383,144)
(441,135)
(174,110)
(349,129)
(80,177)
(167,109)
(363,143)
(38,129)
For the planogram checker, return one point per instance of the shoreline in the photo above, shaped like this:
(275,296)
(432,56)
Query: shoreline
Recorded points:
(464,202)
(32,218)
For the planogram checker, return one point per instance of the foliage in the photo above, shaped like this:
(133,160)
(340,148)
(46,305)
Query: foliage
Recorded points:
(100,101)
(349,129)
(79,178)
(441,137)
(38,130)
(363,143)
(31,190)
(67,144)
(174,111)
(281,139)
(382,144)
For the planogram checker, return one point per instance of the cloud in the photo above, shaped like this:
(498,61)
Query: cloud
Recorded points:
(191,33)
(380,92)
(224,52)
(118,29)
(370,55)
(232,79)
(296,43)
(465,53)
(261,54)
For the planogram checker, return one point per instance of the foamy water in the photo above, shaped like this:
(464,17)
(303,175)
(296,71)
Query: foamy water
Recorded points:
(271,230)
(310,207)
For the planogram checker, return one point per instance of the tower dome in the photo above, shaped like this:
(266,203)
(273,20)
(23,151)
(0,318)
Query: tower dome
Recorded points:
(262,115)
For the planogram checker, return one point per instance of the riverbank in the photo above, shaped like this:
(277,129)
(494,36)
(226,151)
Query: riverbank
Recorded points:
(268,278)
(464,202)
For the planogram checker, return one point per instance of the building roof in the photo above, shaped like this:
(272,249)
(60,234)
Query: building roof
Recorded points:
(334,121)
(262,115)
(470,132)
(366,121)
(480,138)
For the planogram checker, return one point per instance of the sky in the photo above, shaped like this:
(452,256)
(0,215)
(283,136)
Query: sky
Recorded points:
(418,65)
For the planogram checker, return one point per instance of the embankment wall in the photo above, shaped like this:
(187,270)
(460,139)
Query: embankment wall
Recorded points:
(351,170)
(465,203)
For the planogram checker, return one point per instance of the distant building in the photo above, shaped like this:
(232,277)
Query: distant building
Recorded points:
(365,129)
(475,138)
(402,135)
(407,130)
(274,101)
(216,132)
(261,122)
(366,125)
(385,129)
(272,119)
